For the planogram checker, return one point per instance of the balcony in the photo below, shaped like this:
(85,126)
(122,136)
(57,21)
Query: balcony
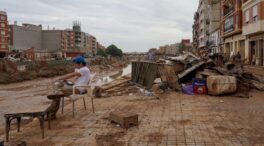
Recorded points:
(229,29)
(228,11)
(252,28)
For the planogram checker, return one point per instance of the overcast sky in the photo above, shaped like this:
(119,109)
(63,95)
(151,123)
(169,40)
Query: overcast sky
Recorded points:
(133,25)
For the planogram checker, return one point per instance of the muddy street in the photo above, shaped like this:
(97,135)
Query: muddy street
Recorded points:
(166,119)
(171,119)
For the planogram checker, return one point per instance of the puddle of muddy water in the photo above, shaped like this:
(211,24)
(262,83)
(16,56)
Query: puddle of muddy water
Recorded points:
(106,79)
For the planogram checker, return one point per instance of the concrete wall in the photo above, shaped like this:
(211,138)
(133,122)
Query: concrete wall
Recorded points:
(26,37)
(51,40)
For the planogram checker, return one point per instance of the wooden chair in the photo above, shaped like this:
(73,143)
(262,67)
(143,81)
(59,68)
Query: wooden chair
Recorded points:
(74,97)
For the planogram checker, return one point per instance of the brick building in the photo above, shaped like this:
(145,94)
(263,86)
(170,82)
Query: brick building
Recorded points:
(4,35)
(231,27)
(253,29)
(92,44)
(76,41)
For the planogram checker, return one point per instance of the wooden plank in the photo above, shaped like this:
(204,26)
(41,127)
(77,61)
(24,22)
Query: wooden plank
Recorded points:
(189,70)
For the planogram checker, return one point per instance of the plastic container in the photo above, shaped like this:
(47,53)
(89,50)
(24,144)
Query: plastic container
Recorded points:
(199,86)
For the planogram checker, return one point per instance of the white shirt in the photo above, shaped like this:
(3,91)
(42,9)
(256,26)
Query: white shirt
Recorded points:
(84,78)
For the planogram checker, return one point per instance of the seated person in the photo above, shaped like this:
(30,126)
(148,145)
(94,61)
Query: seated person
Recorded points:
(81,76)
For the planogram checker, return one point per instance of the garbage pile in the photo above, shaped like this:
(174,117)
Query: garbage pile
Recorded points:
(190,74)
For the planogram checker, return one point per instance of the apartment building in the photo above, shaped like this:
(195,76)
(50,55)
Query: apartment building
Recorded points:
(4,36)
(214,25)
(231,27)
(196,31)
(203,24)
(25,37)
(45,43)
(171,50)
(76,40)
(92,44)
(55,42)
(253,29)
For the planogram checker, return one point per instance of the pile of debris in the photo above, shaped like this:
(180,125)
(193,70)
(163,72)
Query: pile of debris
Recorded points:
(118,87)
(215,75)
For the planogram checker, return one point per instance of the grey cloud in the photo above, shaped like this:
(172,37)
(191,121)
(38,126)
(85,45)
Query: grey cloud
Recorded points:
(133,25)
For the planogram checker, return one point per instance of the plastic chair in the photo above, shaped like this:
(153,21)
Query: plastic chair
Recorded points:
(74,97)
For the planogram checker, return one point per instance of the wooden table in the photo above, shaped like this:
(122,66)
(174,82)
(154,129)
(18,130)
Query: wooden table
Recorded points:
(39,109)
(40,114)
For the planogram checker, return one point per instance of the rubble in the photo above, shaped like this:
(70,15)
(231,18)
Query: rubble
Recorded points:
(178,73)
(118,87)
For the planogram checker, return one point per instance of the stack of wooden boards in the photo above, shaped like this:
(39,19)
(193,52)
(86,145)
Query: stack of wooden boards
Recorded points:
(117,87)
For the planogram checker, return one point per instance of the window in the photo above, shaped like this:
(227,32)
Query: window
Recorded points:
(229,25)
(255,13)
(3,32)
(3,40)
(2,24)
(3,47)
(3,18)
(247,17)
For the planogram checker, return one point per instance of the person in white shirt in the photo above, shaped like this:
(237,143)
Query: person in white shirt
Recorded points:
(81,75)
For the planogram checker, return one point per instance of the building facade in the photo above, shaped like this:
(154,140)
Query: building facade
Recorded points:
(253,29)
(196,31)
(171,50)
(92,44)
(203,24)
(4,35)
(25,37)
(214,25)
(231,27)
(55,42)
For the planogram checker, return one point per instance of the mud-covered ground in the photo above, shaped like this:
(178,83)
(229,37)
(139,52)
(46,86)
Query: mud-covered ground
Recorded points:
(168,119)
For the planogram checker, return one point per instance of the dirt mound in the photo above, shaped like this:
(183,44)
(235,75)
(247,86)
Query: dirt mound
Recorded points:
(6,78)
(10,74)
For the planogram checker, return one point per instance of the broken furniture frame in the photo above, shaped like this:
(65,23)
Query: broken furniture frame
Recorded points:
(18,116)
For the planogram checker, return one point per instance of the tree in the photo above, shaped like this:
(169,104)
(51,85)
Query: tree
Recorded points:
(101,52)
(114,51)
